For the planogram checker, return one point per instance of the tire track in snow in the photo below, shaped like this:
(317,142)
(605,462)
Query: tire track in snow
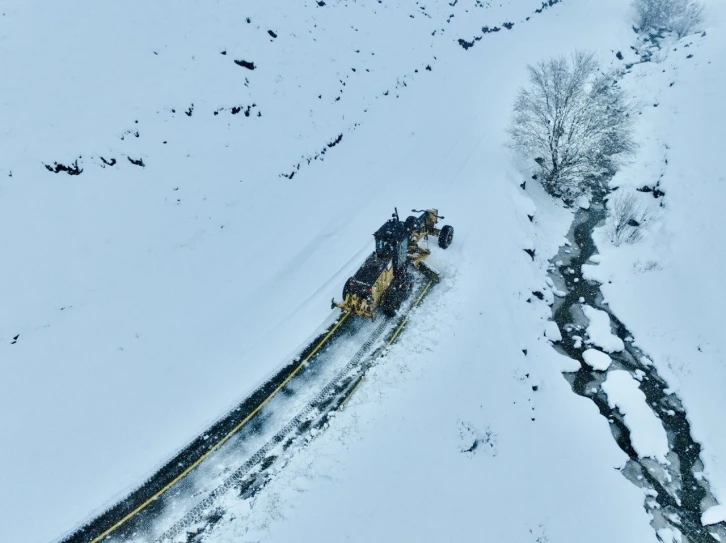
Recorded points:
(253,474)
(146,495)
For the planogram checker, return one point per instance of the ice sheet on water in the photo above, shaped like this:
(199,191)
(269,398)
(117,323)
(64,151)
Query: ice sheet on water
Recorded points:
(667,535)
(583,202)
(592,273)
(713,515)
(597,360)
(647,434)
(567,364)
(599,330)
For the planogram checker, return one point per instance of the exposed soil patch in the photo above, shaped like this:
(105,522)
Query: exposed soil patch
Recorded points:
(317,156)
(508,25)
(245,64)
(57,167)
(248,110)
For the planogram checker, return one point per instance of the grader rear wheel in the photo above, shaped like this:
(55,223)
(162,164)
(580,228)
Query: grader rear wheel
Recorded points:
(446,236)
(390,304)
(396,294)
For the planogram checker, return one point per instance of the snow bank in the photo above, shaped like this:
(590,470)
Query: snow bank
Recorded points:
(599,330)
(552,331)
(714,515)
(668,535)
(597,360)
(667,288)
(565,364)
(647,435)
(593,272)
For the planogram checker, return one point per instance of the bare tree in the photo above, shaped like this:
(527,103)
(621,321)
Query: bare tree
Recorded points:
(573,121)
(679,16)
(627,218)
(689,16)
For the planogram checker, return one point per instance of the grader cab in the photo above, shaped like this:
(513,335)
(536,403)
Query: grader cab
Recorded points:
(385,279)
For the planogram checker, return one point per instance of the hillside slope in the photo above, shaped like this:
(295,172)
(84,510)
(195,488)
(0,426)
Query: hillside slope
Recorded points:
(235,160)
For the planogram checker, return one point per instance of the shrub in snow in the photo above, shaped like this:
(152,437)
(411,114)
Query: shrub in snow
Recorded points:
(627,218)
(574,122)
(647,266)
(679,16)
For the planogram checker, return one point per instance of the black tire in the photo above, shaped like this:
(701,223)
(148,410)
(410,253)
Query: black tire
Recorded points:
(387,305)
(407,285)
(395,295)
(446,236)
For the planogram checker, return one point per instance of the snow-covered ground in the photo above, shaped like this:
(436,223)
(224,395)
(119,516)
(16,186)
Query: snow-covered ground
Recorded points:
(667,287)
(148,300)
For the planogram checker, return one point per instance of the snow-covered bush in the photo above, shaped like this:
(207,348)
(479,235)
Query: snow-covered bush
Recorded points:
(688,18)
(574,122)
(647,266)
(627,218)
(679,16)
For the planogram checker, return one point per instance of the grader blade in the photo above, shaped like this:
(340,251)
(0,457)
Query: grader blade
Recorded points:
(429,272)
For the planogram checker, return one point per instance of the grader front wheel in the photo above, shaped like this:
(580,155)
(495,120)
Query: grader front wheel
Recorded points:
(446,236)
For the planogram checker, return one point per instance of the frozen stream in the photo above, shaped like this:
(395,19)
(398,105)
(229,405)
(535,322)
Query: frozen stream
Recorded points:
(676,492)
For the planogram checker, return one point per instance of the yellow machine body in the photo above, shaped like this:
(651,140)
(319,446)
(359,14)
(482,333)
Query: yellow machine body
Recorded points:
(384,279)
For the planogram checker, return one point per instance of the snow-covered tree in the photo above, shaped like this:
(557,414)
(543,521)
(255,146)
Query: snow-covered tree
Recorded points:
(573,121)
(679,16)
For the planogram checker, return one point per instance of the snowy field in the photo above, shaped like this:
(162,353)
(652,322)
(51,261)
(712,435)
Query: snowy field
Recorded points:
(139,303)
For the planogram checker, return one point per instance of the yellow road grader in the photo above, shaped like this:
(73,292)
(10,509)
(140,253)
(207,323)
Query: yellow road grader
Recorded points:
(385,279)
